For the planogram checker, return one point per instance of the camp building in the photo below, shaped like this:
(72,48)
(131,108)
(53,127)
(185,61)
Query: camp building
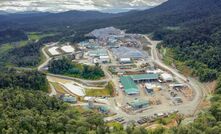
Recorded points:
(138,103)
(144,77)
(130,87)
(129,82)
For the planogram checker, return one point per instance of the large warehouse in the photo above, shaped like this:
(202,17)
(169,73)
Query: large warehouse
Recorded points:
(138,103)
(126,52)
(98,53)
(144,77)
(130,87)
(129,84)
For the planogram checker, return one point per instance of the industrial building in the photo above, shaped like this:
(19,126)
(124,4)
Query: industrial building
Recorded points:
(91,103)
(101,60)
(126,52)
(129,84)
(138,104)
(104,59)
(67,49)
(104,33)
(54,51)
(166,77)
(149,88)
(158,71)
(98,53)
(125,60)
(144,77)
(68,98)
(104,109)
(130,87)
(177,85)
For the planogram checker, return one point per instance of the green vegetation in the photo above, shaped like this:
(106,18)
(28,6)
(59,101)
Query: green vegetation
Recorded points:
(30,80)
(193,35)
(66,67)
(5,48)
(97,92)
(107,91)
(33,36)
(58,88)
(188,67)
(24,111)
(9,35)
(28,55)
(167,120)
(169,59)
(24,53)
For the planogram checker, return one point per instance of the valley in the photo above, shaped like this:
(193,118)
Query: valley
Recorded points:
(118,103)
(146,71)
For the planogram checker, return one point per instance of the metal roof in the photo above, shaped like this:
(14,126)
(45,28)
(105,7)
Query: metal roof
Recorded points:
(69,99)
(129,86)
(104,108)
(98,52)
(126,52)
(144,77)
(139,103)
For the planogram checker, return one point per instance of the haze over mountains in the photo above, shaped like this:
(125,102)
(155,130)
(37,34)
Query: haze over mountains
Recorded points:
(190,31)
(172,13)
(66,5)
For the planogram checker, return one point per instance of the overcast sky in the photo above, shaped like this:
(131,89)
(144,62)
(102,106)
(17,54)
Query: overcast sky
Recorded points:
(65,5)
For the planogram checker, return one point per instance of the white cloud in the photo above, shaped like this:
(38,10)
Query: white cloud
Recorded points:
(65,5)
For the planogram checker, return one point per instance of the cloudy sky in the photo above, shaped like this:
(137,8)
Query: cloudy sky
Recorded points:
(65,5)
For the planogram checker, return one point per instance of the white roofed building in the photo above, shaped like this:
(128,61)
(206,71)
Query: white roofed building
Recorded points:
(53,51)
(166,77)
(158,71)
(104,59)
(74,89)
(125,60)
(67,49)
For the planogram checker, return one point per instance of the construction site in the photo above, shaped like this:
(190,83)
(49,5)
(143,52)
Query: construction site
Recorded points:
(141,86)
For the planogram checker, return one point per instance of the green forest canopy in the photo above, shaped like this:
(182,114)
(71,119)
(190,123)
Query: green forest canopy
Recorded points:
(29,80)
(66,67)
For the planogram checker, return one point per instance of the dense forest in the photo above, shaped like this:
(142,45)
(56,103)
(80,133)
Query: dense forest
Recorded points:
(30,80)
(28,55)
(193,34)
(23,111)
(10,35)
(34,112)
(66,67)
(198,45)
(179,28)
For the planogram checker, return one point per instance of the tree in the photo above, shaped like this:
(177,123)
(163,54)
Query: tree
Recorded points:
(179,118)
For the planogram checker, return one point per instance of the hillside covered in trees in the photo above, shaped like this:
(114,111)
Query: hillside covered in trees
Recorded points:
(23,111)
(198,45)
(29,80)
(178,27)
(10,35)
(190,27)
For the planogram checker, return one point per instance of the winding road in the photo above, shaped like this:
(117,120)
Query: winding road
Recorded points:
(86,83)
(53,91)
(199,89)
(190,108)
